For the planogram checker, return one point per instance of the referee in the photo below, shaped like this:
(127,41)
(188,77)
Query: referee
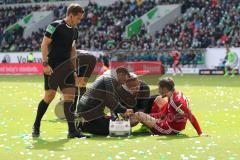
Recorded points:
(59,66)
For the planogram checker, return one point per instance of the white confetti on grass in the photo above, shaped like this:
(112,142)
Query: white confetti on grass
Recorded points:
(122,153)
(193,157)
(183,157)
(211,158)
(109,158)
(118,157)
(115,146)
(135,151)
(137,141)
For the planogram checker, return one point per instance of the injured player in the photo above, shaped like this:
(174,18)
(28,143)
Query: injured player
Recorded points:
(172,117)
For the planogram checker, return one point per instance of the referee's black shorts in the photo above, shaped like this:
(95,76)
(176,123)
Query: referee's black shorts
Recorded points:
(86,64)
(62,77)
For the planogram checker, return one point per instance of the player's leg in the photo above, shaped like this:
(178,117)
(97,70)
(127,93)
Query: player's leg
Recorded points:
(155,105)
(177,66)
(156,125)
(43,105)
(233,72)
(226,68)
(174,69)
(145,119)
(86,64)
(133,122)
(233,69)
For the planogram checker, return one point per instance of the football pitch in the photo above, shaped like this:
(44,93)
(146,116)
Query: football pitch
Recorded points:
(214,100)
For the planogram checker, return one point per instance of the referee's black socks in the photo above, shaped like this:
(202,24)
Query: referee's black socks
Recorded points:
(42,108)
(69,116)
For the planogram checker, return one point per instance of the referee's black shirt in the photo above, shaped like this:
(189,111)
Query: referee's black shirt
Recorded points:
(63,39)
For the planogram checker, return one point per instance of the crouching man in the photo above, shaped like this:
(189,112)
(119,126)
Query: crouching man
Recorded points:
(101,94)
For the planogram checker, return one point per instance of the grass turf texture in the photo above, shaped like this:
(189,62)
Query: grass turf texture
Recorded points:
(213,99)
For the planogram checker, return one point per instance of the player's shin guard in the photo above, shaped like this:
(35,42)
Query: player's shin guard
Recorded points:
(69,116)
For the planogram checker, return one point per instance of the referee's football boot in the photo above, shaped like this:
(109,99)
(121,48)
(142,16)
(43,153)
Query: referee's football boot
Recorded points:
(35,131)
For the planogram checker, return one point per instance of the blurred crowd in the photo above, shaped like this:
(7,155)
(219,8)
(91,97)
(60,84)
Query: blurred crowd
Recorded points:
(14,41)
(204,23)
(26,1)
(188,57)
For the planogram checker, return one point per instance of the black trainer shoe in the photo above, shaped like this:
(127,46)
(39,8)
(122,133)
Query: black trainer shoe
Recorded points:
(35,132)
(77,135)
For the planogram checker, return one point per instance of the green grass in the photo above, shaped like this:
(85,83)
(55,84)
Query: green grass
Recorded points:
(213,99)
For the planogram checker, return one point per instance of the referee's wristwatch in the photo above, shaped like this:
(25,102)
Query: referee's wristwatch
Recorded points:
(45,64)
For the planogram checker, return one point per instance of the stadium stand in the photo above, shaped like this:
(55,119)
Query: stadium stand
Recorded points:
(14,13)
(203,24)
(14,41)
(26,1)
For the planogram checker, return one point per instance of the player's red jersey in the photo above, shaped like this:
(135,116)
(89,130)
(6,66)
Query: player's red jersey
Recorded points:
(176,114)
(176,55)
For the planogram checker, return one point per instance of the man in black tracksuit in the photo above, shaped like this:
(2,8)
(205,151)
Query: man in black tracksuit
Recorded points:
(102,94)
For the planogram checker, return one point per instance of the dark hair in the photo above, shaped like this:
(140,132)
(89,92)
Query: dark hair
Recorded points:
(122,70)
(74,8)
(167,82)
(131,78)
